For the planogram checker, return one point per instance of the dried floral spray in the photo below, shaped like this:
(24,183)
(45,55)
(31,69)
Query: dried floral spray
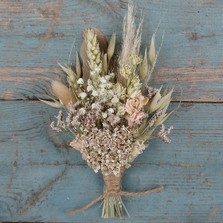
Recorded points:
(111,109)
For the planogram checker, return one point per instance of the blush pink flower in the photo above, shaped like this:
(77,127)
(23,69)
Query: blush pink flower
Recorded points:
(135,118)
(133,108)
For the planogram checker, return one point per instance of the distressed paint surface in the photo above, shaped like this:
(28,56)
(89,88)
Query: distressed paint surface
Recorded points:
(40,178)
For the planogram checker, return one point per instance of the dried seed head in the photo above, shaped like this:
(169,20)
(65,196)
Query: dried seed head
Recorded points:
(111,46)
(62,93)
(152,50)
(78,66)
(163,133)
(144,67)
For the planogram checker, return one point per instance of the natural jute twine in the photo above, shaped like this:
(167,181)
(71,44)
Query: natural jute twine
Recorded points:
(113,187)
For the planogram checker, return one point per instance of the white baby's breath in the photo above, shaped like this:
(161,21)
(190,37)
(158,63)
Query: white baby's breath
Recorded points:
(112,75)
(107,77)
(95,106)
(103,80)
(93,72)
(104,115)
(80,81)
(111,110)
(102,92)
(89,88)
(82,111)
(82,95)
(115,100)
(94,93)
(109,85)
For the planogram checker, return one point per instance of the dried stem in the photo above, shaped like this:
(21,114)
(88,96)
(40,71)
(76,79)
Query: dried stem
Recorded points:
(113,205)
(131,35)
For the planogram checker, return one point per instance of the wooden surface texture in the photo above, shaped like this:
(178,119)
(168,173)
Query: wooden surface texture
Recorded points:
(40,177)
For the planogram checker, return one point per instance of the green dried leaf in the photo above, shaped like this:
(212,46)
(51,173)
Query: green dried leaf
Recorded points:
(146,134)
(163,118)
(84,58)
(105,64)
(111,47)
(55,104)
(164,101)
(67,69)
(101,39)
(153,105)
(152,50)
(164,109)
(78,66)
(144,67)
(138,132)
(120,91)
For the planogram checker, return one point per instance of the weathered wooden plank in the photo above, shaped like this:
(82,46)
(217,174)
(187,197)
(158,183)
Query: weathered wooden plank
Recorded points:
(41,178)
(202,85)
(35,35)
(34,32)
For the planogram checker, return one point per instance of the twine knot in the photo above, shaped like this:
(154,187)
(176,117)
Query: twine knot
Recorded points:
(113,187)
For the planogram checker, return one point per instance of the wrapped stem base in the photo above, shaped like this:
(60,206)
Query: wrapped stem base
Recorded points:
(112,204)
(112,197)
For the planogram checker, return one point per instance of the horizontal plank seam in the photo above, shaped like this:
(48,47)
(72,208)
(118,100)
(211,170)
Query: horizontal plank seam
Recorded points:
(181,165)
(173,101)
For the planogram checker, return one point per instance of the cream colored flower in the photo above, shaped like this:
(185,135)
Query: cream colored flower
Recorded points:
(80,81)
(90,88)
(94,93)
(115,100)
(110,110)
(82,95)
(82,111)
(104,115)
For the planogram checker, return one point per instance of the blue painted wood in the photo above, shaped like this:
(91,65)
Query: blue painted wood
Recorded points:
(41,32)
(41,178)
(35,35)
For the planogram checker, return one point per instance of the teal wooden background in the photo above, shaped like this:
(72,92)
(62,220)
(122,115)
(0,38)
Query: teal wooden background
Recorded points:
(40,178)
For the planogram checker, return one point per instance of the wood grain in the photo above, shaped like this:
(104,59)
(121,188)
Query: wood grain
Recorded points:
(35,36)
(40,177)
(42,32)
(191,84)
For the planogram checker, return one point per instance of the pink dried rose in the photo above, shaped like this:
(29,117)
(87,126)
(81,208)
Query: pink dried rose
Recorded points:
(135,118)
(134,104)
(133,108)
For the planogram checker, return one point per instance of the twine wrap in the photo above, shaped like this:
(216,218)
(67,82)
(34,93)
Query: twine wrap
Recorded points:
(113,190)
(113,184)
(112,203)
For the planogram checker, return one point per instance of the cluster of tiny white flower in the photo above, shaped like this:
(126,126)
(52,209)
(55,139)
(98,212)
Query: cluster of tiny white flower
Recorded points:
(107,150)
(111,109)
(103,89)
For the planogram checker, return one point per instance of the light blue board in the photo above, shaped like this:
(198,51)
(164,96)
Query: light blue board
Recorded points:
(35,35)
(39,33)
(41,178)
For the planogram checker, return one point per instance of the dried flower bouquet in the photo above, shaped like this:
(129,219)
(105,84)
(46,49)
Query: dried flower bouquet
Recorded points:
(111,110)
